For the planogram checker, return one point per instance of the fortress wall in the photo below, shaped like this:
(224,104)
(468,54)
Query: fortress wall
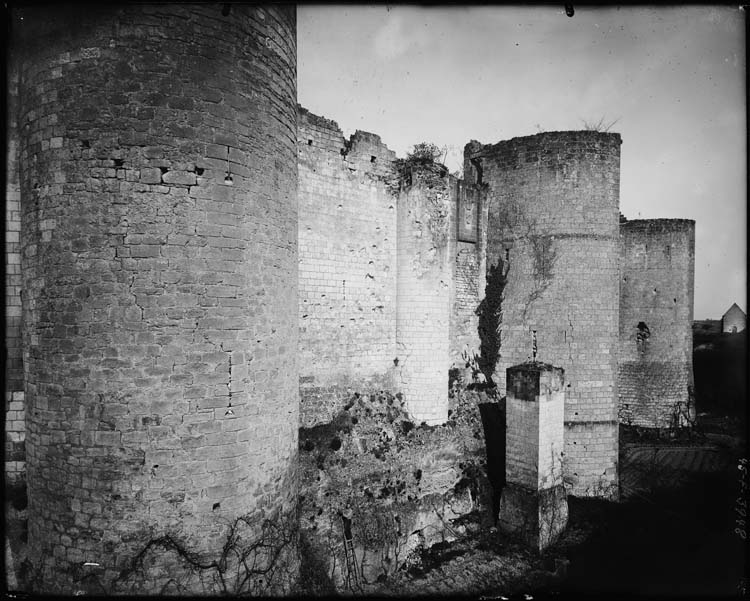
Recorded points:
(160,298)
(553,223)
(468,239)
(347,266)
(655,373)
(425,279)
(15,429)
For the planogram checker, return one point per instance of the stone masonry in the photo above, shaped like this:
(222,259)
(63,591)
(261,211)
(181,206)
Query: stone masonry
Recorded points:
(196,266)
(423,307)
(469,268)
(347,266)
(533,502)
(159,257)
(553,221)
(15,430)
(655,367)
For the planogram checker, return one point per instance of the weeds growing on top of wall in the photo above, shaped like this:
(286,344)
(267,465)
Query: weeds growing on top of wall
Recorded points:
(422,159)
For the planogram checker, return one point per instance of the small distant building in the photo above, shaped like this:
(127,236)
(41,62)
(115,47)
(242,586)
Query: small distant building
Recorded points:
(734,320)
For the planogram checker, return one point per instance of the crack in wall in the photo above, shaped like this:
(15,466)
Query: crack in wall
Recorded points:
(135,298)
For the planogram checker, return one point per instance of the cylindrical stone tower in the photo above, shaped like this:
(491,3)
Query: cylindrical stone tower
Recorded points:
(159,229)
(423,295)
(655,377)
(553,225)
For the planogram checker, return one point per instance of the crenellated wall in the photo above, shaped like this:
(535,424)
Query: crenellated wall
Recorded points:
(158,202)
(655,363)
(553,224)
(347,266)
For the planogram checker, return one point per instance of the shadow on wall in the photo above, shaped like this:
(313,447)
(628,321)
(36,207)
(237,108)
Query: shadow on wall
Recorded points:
(490,316)
(493,423)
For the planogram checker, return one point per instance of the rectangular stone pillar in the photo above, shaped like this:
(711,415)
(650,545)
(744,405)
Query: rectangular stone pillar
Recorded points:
(533,503)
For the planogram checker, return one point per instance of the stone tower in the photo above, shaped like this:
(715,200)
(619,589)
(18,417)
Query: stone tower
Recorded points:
(655,373)
(158,174)
(553,231)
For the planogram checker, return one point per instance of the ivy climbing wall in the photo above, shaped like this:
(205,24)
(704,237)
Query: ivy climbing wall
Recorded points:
(553,228)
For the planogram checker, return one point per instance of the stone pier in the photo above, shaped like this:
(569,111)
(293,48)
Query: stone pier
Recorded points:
(533,503)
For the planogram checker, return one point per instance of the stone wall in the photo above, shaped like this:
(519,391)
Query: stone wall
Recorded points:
(655,371)
(423,295)
(15,431)
(159,256)
(468,274)
(347,266)
(553,224)
(392,487)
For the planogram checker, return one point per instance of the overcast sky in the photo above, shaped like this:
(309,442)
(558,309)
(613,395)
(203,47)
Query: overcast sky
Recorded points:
(672,78)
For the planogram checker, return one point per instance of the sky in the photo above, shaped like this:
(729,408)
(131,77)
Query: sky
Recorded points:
(671,81)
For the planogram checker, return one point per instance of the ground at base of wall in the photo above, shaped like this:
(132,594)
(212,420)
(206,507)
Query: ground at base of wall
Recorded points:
(675,534)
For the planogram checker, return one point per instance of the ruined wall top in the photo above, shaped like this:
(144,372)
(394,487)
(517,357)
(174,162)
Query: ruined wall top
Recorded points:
(363,151)
(544,140)
(655,226)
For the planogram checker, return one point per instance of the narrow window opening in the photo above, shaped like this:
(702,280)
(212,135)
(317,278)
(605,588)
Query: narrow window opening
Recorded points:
(309,141)
(642,335)
(373,159)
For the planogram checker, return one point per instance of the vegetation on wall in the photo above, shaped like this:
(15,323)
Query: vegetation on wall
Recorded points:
(490,316)
(258,558)
(425,158)
(601,125)
(390,486)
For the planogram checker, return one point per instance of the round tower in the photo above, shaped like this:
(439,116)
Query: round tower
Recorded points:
(655,372)
(553,236)
(159,249)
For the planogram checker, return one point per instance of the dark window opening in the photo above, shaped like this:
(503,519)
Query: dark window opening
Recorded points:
(373,159)
(642,335)
(478,171)
(309,142)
